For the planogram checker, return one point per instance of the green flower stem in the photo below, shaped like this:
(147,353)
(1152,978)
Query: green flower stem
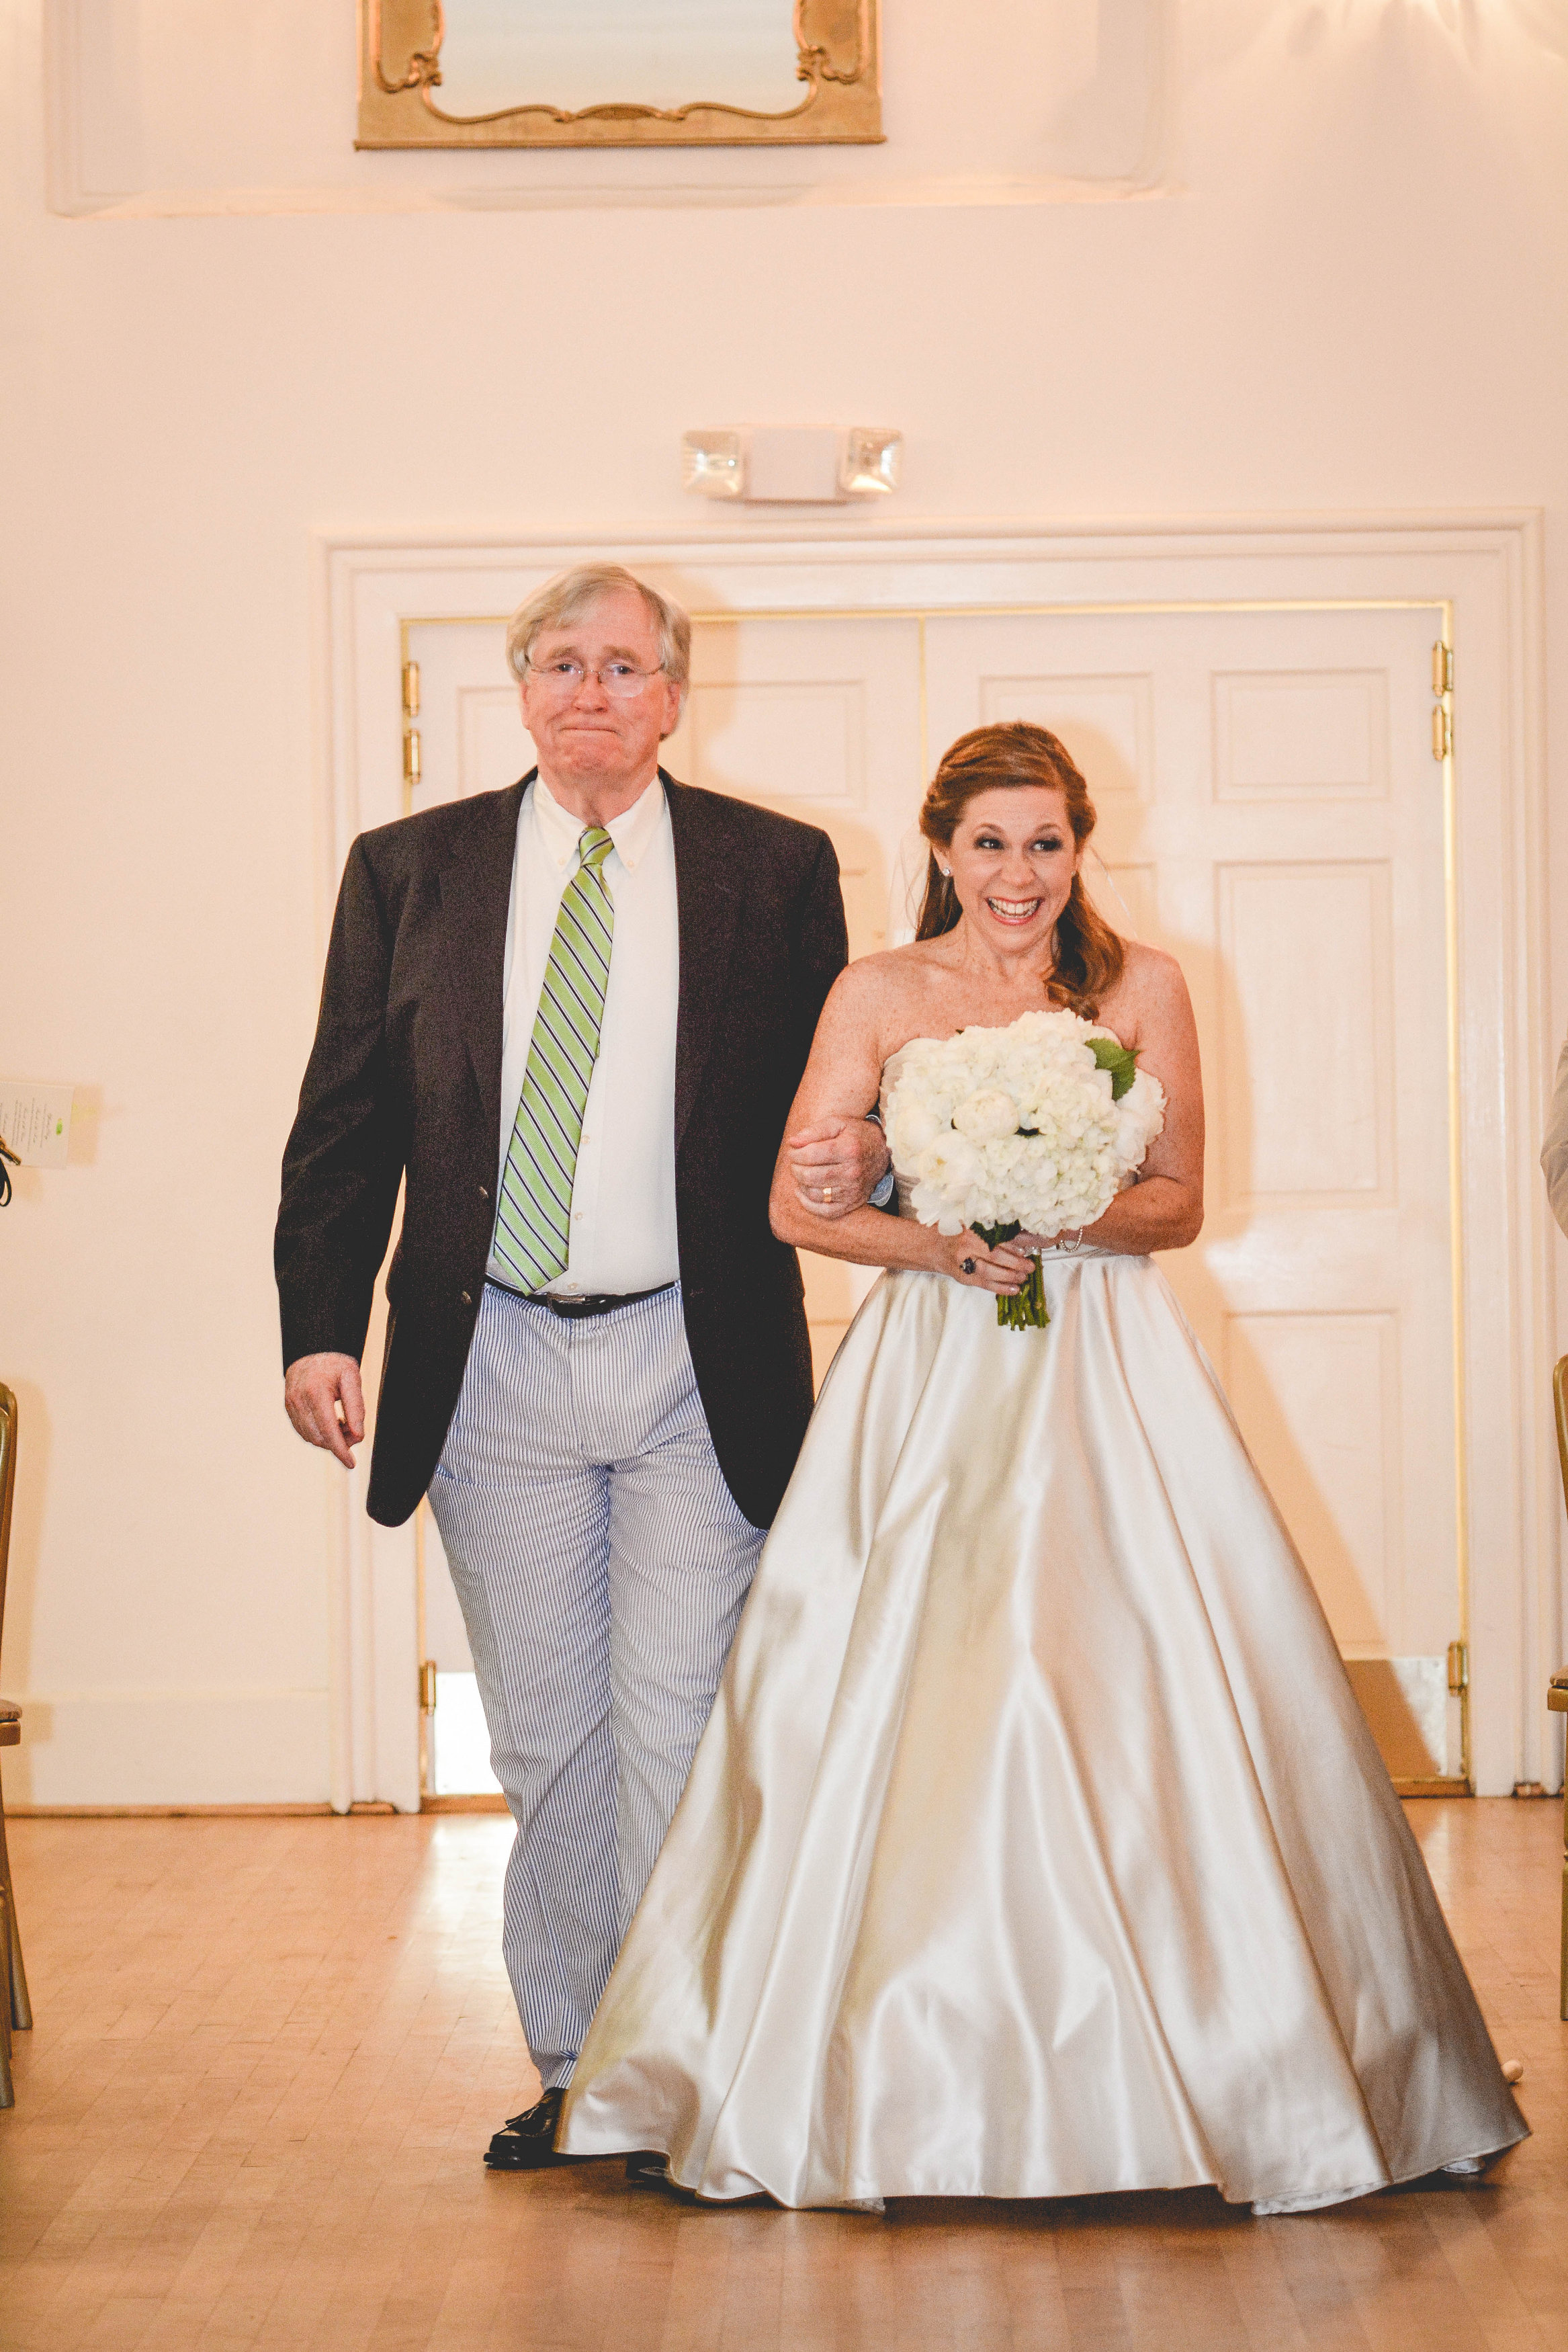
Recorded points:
(1028,1311)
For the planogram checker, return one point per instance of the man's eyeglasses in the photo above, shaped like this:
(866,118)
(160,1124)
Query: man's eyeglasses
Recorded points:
(621,679)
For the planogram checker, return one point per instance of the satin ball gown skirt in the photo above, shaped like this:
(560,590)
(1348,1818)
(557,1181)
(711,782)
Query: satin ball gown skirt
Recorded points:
(1036,1845)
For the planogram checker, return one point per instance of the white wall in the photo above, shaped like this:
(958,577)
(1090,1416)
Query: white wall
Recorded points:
(1333,276)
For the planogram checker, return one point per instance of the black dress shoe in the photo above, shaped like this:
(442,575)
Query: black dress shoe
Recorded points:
(648,2170)
(527,2144)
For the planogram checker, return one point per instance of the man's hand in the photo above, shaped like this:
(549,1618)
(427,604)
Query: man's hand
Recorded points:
(314,1389)
(837,1166)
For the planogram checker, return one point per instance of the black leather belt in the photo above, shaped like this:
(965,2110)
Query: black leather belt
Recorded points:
(574,1311)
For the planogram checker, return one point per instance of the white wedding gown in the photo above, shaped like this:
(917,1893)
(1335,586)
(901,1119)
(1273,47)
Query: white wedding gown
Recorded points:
(1037,1845)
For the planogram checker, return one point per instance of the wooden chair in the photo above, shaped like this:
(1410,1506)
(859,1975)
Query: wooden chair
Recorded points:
(1557,1689)
(15,2009)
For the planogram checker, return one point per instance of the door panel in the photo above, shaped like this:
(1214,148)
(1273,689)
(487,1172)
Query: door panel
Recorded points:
(1272,918)
(819,718)
(1270,813)
(472,739)
(1323,1398)
(471,732)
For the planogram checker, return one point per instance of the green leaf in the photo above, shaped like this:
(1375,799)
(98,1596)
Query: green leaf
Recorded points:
(1121,1061)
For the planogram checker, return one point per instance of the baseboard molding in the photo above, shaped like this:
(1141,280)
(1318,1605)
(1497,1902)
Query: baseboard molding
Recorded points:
(192,1812)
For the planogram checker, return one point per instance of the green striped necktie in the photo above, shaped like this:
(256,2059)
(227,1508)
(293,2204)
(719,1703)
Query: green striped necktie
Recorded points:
(533,1222)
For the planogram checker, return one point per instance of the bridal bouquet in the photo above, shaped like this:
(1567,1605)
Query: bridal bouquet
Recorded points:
(1032,1129)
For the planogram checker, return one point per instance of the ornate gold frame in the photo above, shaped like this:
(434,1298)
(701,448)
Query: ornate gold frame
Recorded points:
(399,71)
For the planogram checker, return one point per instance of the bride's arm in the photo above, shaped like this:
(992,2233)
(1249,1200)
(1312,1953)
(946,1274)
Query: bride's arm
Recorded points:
(841,1080)
(1163,1210)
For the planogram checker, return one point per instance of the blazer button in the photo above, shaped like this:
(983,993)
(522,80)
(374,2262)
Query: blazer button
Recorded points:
(483,1195)
(467,1300)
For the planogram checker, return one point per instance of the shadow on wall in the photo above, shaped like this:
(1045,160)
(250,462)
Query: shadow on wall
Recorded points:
(1110,127)
(1413,1749)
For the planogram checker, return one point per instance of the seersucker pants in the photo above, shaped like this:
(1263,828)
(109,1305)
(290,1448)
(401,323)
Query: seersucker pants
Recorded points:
(600,1563)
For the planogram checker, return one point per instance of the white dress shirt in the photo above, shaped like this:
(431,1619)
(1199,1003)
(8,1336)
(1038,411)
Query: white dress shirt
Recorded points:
(623,1233)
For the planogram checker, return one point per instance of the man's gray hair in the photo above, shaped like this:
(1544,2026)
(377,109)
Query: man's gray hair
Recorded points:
(570,594)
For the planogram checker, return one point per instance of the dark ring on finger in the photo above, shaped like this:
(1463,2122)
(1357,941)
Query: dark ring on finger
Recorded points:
(965,1265)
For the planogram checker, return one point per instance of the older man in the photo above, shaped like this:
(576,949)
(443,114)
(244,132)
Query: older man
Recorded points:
(571,1017)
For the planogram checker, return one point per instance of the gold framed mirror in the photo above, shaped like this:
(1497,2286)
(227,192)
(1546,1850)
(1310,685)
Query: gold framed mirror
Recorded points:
(617,73)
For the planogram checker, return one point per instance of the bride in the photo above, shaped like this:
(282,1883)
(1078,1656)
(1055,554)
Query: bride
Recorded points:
(1037,1845)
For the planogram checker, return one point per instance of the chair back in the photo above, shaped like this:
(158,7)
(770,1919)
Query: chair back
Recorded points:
(8,1484)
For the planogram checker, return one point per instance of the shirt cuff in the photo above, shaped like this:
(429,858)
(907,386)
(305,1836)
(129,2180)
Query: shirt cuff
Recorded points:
(885,1190)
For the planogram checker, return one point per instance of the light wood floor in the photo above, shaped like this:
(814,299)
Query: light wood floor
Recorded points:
(268,2054)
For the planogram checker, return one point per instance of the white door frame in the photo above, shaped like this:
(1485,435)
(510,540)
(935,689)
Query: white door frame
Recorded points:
(1484,570)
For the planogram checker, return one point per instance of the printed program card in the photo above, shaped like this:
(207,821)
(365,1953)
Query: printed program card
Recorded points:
(36,1122)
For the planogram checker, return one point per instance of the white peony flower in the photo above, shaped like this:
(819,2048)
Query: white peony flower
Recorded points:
(913,1128)
(952,1162)
(1140,1116)
(987,1115)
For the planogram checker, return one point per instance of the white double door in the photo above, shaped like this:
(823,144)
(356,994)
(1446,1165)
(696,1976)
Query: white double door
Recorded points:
(1270,812)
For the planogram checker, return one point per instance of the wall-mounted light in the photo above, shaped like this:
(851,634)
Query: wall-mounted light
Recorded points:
(870,463)
(713,465)
(791,465)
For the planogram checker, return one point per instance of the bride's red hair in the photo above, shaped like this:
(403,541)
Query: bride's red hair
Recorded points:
(1090,955)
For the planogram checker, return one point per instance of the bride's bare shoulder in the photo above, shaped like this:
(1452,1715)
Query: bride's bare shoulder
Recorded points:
(1152,982)
(888,977)
(1149,968)
(876,993)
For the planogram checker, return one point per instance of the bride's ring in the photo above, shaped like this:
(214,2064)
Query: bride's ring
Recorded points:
(827,1191)
(965,1265)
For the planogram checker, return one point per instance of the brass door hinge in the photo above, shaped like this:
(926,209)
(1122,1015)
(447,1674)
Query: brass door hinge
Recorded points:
(411,770)
(1443,709)
(411,690)
(1459,1666)
(427,1687)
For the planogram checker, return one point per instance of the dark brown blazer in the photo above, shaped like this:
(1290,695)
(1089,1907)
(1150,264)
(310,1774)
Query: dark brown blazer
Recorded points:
(404,1082)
